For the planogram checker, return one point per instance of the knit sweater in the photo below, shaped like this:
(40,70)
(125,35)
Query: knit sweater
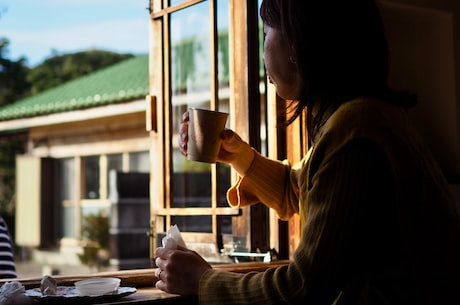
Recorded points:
(379,225)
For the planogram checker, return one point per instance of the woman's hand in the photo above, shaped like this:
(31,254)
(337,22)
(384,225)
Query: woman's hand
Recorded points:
(233,150)
(179,270)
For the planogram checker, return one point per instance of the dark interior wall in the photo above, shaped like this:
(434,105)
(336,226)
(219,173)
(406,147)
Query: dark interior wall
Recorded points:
(423,38)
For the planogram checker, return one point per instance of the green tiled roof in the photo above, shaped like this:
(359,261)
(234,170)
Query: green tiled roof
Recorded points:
(120,82)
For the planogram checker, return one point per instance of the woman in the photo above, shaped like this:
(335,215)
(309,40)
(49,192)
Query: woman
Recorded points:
(379,225)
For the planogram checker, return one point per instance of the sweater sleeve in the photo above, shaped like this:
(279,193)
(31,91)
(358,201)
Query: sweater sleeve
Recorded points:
(332,246)
(271,182)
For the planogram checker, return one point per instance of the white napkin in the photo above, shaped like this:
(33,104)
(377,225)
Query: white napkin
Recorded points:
(12,293)
(173,238)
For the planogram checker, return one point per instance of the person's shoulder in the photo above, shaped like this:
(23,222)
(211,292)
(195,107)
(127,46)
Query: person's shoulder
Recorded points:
(362,118)
(364,113)
(365,107)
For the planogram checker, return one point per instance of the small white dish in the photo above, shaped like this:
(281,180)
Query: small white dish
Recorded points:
(97,286)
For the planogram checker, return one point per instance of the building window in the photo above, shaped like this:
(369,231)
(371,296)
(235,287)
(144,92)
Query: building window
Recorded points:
(92,173)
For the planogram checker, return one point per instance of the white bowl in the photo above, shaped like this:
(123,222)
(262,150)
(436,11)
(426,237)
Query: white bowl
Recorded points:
(97,286)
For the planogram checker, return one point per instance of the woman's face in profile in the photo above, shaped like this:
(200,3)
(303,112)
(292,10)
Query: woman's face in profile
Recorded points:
(282,70)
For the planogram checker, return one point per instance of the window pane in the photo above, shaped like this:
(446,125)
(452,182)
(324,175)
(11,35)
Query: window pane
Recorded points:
(66,179)
(192,189)
(223,71)
(224,184)
(174,2)
(201,224)
(114,162)
(190,81)
(68,221)
(93,210)
(224,89)
(262,90)
(91,177)
(67,196)
(139,162)
(225,224)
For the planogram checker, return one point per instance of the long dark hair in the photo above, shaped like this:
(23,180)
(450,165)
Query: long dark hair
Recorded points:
(341,50)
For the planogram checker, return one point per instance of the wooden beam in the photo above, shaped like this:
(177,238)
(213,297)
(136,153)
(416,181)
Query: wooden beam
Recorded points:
(197,211)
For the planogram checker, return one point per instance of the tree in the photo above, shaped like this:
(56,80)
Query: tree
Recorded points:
(13,83)
(9,148)
(13,86)
(59,69)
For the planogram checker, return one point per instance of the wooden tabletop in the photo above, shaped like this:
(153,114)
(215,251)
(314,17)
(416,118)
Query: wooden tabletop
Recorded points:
(151,295)
(144,281)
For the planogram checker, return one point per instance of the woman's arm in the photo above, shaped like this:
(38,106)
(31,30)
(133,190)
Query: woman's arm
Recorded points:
(271,182)
(261,179)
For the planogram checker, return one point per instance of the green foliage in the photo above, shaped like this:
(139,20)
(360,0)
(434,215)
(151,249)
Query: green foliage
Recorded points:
(59,69)
(224,68)
(13,83)
(184,54)
(8,150)
(13,86)
(96,239)
(188,54)
(95,229)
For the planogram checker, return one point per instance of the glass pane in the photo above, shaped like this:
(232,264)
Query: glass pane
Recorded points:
(192,189)
(66,179)
(93,210)
(139,162)
(225,225)
(223,54)
(262,90)
(174,2)
(224,88)
(201,224)
(114,162)
(66,182)
(190,81)
(68,221)
(91,177)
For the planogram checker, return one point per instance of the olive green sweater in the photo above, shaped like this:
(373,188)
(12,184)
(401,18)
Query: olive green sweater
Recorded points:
(379,225)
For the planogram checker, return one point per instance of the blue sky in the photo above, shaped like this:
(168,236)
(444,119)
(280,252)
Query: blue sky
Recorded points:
(37,27)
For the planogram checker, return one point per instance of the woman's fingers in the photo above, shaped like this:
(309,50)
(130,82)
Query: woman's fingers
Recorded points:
(183,138)
(179,270)
(183,134)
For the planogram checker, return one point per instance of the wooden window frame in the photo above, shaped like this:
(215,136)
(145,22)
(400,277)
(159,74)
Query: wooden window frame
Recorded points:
(244,65)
